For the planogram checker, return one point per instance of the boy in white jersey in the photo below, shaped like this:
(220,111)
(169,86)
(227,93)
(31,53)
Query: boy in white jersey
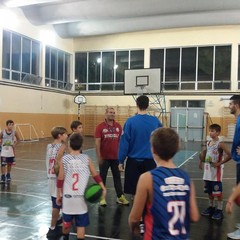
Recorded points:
(212,157)
(73,177)
(8,139)
(54,153)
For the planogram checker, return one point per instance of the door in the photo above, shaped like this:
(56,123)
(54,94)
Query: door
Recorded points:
(188,123)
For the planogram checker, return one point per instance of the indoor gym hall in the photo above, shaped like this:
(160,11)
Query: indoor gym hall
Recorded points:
(25,211)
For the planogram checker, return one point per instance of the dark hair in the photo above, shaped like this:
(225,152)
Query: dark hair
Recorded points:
(236,99)
(75,124)
(165,143)
(58,131)
(142,102)
(76,141)
(215,127)
(9,122)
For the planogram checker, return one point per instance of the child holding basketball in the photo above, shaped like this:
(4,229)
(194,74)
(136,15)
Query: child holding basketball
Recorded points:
(165,193)
(213,158)
(73,177)
(55,151)
(8,138)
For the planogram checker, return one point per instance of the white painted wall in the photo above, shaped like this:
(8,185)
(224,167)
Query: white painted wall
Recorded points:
(33,101)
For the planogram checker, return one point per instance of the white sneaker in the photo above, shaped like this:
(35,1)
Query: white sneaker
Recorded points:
(234,235)
(237,225)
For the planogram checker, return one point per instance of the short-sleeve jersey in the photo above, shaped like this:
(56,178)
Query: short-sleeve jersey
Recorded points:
(7,143)
(76,176)
(51,154)
(168,216)
(214,154)
(110,136)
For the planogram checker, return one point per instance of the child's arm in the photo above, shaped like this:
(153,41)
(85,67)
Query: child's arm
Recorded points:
(17,137)
(60,181)
(97,178)
(140,199)
(98,153)
(60,152)
(227,156)
(232,198)
(194,213)
(1,136)
(202,156)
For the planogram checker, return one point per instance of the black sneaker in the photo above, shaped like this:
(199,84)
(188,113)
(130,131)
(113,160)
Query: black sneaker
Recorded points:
(218,215)
(53,233)
(208,212)
(3,179)
(8,176)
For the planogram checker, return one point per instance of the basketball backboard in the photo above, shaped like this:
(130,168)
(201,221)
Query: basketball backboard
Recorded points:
(142,81)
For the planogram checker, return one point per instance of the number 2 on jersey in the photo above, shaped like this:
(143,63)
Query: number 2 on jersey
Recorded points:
(75,177)
(178,208)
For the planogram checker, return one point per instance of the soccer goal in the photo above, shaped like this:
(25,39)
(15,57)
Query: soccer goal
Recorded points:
(27,132)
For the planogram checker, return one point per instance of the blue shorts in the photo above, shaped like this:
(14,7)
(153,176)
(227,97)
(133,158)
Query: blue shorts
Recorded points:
(7,161)
(81,220)
(134,168)
(213,188)
(54,204)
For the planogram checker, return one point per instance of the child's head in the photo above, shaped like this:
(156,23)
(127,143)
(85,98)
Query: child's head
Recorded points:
(76,141)
(9,124)
(59,133)
(214,130)
(142,102)
(76,126)
(165,143)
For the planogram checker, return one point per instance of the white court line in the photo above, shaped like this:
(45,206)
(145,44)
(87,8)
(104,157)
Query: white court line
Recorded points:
(14,225)
(24,194)
(98,237)
(200,179)
(30,160)
(74,234)
(89,149)
(31,170)
(188,159)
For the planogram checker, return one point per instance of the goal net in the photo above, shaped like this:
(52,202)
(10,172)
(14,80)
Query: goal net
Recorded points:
(27,132)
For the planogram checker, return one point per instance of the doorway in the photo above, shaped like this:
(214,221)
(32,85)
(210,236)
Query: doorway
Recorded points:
(187,119)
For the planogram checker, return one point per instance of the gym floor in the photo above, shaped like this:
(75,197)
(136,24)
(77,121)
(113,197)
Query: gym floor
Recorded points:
(25,206)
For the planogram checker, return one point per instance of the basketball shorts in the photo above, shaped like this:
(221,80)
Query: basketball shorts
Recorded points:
(213,188)
(7,161)
(54,203)
(134,168)
(81,220)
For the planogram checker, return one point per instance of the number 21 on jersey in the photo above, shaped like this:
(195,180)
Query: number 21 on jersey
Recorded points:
(178,208)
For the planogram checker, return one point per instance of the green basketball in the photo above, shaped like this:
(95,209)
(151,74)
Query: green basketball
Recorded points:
(93,193)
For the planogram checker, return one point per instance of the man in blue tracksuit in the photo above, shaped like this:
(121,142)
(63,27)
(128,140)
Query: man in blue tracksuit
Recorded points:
(135,145)
(234,107)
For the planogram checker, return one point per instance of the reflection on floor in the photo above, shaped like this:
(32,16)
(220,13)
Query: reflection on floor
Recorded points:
(25,207)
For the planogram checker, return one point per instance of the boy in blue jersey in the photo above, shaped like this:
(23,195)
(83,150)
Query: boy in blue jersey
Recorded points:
(165,193)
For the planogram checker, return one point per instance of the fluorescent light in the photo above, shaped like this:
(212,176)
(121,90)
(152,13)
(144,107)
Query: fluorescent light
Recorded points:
(21,3)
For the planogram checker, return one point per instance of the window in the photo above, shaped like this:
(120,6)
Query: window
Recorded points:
(57,68)
(21,58)
(194,68)
(105,70)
